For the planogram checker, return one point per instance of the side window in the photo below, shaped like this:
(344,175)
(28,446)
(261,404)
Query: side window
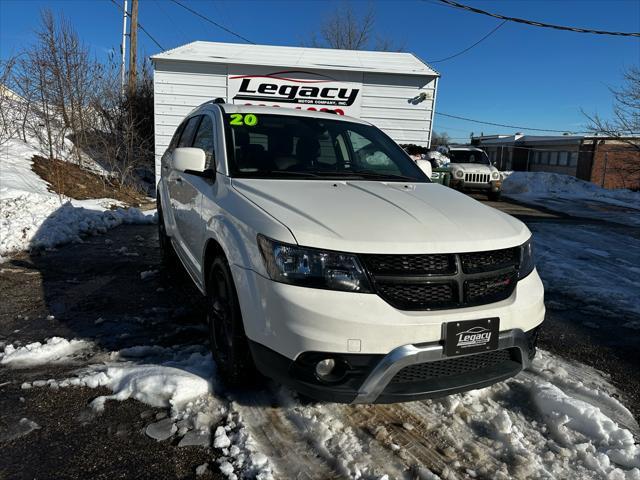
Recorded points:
(204,139)
(189,130)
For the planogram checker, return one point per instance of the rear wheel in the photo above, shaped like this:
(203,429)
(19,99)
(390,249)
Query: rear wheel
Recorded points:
(229,344)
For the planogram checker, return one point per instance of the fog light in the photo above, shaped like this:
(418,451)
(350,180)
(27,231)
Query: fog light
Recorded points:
(325,367)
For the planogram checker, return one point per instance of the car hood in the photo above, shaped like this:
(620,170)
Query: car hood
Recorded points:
(381,217)
(473,168)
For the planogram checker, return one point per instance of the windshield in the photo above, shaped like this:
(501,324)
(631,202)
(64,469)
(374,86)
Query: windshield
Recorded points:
(281,146)
(468,156)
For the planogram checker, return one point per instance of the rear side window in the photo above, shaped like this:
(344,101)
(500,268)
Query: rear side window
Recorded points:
(186,137)
(204,139)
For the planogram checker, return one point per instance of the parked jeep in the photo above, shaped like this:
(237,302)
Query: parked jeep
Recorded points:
(330,262)
(471,170)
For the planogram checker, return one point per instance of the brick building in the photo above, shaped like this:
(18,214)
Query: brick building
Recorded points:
(614,163)
(607,161)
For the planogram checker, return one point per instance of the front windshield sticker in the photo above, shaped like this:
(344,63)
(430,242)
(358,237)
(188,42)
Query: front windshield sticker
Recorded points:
(237,119)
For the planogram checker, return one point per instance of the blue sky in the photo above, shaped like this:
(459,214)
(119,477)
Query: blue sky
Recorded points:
(520,75)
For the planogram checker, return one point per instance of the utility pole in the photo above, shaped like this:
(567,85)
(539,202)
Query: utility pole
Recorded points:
(123,46)
(133,45)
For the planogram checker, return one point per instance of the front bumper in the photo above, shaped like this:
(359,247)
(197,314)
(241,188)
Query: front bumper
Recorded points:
(394,377)
(459,184)
(292,320)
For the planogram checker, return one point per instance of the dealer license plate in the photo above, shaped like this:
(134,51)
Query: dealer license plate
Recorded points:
(471,336)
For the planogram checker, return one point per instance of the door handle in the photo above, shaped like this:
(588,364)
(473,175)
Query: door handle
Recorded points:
(178,180)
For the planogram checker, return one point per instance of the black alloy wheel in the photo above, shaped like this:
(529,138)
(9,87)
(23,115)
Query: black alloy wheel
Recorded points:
(227,338)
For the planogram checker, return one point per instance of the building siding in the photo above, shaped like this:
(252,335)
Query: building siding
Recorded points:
(181,86)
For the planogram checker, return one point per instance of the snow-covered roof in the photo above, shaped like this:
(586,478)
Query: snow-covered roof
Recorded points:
(299,57)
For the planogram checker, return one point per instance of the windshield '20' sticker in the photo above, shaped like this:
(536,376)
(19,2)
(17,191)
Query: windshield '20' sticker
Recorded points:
(238,119)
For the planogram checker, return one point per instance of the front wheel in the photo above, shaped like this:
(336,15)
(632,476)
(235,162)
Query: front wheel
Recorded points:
(495,196)
(229,344)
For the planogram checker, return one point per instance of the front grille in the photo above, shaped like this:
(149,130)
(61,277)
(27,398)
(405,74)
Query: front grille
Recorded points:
(440,264)
(452,366)
(487,261)
(443,281)
(489,288)
(476,177)
(415,296)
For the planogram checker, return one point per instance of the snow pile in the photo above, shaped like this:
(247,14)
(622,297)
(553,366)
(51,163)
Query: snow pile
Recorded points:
(570,195)
(55,349)
(557,420)
(555,184)
(174,382)
(183,379)
(33,217)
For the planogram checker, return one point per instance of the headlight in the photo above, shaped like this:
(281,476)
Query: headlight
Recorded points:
(526,260)
(495,175)
(459,174)
(309,267)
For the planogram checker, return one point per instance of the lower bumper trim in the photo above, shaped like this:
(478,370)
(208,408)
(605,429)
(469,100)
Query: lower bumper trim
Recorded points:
(372,376)
(373,388)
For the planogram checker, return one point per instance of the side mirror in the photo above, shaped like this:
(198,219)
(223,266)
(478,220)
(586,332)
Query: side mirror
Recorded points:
(189,160)
(425,166)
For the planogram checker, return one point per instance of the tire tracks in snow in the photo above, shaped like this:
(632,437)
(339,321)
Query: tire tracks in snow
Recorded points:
(326,441)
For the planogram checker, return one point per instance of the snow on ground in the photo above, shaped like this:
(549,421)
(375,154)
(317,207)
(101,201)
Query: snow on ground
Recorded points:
(33,217)
(557,420)
(55,349)
(587,263)
(573,196)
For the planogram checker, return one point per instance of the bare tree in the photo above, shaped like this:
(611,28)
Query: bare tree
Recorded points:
(7,99)
(625,123)
(66,99)
(440,139)
(345,29)
(72,73)
(122,134)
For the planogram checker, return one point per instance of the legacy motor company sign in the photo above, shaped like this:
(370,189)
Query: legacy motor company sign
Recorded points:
(296,89)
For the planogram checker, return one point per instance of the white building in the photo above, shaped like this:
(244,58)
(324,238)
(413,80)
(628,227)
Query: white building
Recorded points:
(394,91)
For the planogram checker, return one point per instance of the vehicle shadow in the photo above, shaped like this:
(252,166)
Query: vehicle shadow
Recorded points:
(113,290)
(96,289)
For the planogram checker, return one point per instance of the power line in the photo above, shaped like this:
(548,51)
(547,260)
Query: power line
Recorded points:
(505,126)
(213,22)
(185,37)
(470,47)
(533,23)
(140,26)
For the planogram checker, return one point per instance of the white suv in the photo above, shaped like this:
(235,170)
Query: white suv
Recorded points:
(471,170)
(332,264)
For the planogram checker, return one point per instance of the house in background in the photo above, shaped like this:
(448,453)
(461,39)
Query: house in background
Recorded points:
(610,162)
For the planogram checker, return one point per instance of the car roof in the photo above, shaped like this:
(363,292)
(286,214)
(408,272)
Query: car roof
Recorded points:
(264,110)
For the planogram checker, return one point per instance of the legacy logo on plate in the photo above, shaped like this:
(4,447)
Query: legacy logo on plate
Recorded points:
(474,337)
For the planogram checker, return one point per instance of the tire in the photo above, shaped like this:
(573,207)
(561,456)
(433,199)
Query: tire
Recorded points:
(495,196)
(227,339)
(168,255)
